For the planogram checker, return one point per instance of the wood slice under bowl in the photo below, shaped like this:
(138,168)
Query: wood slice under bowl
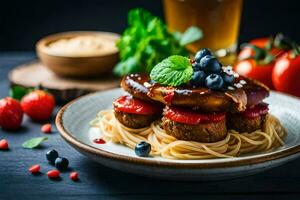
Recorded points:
(33,74)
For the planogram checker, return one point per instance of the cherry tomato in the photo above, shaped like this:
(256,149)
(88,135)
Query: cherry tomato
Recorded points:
(128,104)
(260,42)
(285,74)
(187,116)
(247,51)
(251,69)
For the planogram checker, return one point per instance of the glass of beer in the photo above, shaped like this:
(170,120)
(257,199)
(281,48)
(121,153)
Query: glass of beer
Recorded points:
(218,19)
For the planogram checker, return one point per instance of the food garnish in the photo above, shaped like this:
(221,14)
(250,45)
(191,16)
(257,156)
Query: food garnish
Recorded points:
(147,41)
(46,128)
(61,163)
(34,142)
(74,176)
(51,156)
(174,71)
(35,169)
(53,174)
(204,70)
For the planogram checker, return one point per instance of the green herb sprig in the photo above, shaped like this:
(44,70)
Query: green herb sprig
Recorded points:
(147,41)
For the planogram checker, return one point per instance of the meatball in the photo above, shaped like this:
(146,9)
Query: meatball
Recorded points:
(203,132)
(135,120)
(243,124)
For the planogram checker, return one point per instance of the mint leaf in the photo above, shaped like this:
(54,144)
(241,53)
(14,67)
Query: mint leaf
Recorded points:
(174,71)
(191,35)
(34,142)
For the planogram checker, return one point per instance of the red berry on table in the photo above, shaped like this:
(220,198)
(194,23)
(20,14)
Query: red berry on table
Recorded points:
(38,105)
(74,176)
(46,128)
(11,114)
(53,174)
(34,169)
(3,144)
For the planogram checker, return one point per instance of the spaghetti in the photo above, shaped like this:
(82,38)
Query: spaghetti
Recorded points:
(167,146)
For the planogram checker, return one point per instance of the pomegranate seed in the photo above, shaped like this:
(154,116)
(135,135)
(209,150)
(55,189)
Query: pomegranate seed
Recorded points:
(46,128)
(3,144)
(53,174)
(34,169)
(74,176)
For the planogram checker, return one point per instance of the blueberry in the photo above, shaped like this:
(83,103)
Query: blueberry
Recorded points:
(61,163)
(210,64)
(228,79)
(198,78)
(51,156)
(214,82)
(196,66)
(142,149)
(200,54)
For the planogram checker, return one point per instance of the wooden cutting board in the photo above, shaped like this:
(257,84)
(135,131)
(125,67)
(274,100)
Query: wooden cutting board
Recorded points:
(35,74)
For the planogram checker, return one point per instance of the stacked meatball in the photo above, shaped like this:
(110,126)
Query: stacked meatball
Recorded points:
(215,100)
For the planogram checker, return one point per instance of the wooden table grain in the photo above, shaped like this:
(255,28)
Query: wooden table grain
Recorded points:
(99,182)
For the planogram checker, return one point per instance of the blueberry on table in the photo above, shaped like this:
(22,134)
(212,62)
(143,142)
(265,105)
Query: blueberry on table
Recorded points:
(51,156)
(214,82)
(198,78)
(61,163)
(228,79)
(210,64)
(142,149)
(200,54)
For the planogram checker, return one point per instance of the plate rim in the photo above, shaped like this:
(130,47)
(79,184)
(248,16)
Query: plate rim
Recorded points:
(67,136)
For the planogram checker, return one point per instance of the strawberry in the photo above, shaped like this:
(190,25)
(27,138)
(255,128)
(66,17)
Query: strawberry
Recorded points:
(38,105)
(11,114)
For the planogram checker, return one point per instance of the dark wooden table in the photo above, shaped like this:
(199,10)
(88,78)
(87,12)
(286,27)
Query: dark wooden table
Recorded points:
(98,182)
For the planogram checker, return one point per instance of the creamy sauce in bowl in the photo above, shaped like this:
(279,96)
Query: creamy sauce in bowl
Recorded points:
(83,46)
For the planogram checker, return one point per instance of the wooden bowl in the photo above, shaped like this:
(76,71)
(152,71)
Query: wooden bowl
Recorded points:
(78,66)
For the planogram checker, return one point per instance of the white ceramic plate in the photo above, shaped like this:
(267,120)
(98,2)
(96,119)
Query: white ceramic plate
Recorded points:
(73,124)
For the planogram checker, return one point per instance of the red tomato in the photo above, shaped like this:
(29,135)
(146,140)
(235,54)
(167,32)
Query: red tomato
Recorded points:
(187,116)
(128,104)
(247,52)
(251,69)
(286,75)
(257,110)
(260,42)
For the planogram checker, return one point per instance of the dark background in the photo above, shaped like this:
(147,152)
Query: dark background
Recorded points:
(22,23)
